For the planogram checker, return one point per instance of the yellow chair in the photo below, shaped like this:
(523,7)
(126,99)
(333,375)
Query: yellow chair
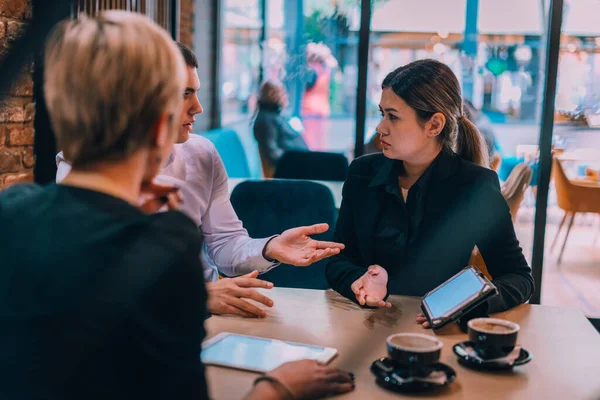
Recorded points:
(573,197)
(513,191)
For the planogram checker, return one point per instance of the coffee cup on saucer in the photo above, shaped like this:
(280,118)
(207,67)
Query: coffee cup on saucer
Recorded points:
(493,338)
(416,351)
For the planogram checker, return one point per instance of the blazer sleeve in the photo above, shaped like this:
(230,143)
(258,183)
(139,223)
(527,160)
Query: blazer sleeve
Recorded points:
(500,248)
(343,269)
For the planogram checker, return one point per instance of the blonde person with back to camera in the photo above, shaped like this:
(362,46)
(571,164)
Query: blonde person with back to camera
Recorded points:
(104,297)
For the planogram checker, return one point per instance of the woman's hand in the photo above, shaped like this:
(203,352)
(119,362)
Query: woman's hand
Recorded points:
(421,319)
(309,379)
(371,288)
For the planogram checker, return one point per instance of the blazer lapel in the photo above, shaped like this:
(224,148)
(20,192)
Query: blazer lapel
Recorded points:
(367,220)
(371,201)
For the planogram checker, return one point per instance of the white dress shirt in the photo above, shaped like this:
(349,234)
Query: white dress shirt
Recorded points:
(198,170)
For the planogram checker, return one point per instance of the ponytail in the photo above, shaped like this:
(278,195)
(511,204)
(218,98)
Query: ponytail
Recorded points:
(470,144)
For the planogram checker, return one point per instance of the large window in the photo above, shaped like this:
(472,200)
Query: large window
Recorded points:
(308,48)
(497,50)
(571,274)
(404,31)
(241,54)
(315,57)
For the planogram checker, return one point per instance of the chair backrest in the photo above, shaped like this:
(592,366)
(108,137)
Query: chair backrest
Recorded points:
(270,207)
(562,185)
(231,150)
(513,190)
(575,196)
(313,165)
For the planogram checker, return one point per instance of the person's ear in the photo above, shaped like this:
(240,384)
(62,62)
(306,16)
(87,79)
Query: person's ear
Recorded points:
(160,131)
(436,124)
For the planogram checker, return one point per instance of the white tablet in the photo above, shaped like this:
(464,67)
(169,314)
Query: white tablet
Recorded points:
(258,354)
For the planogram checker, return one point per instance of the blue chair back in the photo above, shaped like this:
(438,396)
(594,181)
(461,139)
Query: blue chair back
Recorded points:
(312,165)
(231,150)
(270,207)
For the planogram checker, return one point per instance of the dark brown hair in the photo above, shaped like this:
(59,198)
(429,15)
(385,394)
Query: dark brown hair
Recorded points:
(271,92)
(188,55)
(429,87)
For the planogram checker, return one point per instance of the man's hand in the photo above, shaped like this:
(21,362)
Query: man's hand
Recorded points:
(226,296)
(371,288)
(296,247)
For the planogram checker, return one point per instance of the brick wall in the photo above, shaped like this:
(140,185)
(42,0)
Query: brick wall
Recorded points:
(186,22)
(17,108)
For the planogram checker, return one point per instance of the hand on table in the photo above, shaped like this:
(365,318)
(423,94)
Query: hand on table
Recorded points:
(296,247)
(309,379)
(421,319)
(371,288)
(226,296)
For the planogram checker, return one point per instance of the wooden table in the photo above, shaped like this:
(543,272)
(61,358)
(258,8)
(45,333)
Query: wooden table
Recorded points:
(564,345)
(335,187)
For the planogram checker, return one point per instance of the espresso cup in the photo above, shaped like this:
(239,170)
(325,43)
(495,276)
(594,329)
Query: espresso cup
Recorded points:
(492,337)
(416,351)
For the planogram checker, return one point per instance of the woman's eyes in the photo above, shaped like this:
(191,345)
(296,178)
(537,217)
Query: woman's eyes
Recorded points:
(391,117)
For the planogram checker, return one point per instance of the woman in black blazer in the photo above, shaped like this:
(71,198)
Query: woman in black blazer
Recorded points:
(411,216)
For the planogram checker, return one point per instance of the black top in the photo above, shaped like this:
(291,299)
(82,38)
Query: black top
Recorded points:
(462,207)
(274,134)
(97,300)
(398,227)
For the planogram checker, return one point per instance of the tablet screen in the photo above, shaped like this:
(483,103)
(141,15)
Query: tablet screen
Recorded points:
(454,292)
(257,354)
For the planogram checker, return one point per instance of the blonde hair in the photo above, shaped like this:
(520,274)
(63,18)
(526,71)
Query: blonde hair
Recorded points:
(107,81)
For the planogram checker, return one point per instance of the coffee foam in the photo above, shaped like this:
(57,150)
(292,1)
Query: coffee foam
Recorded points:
(414,342)
(493,326)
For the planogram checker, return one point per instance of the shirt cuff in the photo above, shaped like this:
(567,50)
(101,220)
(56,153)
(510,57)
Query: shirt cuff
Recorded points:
(261,264)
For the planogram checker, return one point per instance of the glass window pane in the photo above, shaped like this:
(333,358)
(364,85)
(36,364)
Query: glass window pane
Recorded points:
(496,50)
(571,276)
(240,62)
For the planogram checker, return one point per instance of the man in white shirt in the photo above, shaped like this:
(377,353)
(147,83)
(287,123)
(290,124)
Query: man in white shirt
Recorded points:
(197,169)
